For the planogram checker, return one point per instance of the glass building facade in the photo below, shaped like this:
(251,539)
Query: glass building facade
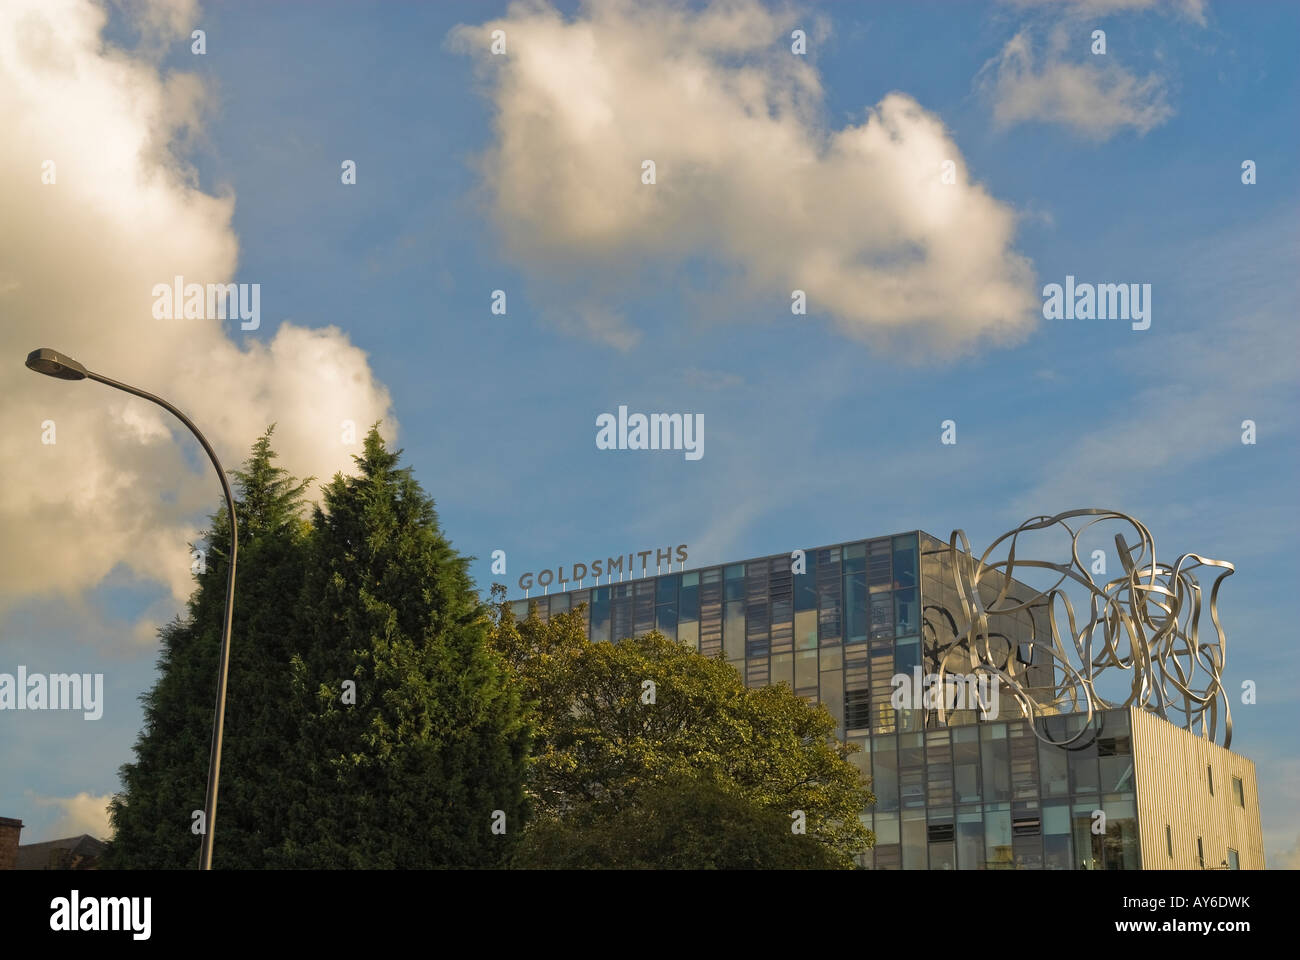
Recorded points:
(962,793)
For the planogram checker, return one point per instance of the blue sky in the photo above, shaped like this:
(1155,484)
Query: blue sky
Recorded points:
(813,434)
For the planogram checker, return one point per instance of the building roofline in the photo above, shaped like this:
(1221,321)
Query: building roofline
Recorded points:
(732,563)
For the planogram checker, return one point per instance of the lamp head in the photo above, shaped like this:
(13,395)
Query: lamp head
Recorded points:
(54,364)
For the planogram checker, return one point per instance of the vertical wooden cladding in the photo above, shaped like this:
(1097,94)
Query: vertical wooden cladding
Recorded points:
(1170,768)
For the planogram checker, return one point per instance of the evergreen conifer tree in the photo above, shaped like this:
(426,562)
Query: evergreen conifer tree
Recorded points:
(152,816)
(412,744)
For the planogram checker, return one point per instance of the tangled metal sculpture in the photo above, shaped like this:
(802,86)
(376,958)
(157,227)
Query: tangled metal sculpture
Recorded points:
(1146,621)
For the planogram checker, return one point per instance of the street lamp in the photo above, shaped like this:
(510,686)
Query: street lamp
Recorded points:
(54,364)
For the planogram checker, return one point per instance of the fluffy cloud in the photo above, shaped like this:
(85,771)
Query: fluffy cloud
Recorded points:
(1096,98)
(83,813)
(750,178)
(79,258)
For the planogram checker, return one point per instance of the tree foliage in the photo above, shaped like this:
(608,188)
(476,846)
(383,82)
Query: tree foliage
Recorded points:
(167,781)
(409,775)
(685,821)
(620,726)
(408,771)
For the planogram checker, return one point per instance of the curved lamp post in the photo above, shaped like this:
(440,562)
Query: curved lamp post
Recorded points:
(54,364)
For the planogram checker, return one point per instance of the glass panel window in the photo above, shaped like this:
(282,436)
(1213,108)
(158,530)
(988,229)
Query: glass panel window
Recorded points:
(881,671)
(805,669)
(688,633)
(1053,764)
(805,629)
(830,585)
(779,587)
(882,614)
(620,611)
(644,607)
(911,750)
(997,761)
(1238,792)
(666,620)
(832,694)
(942,855)
(905,561)
(998,854)
(1120,844)
(710,612)
(966,763)
(861,758)
(884,761)
(733,630)
(1024,760)
(805,584)
(757,613)
(600,614)
(1087,845)
(905,609)
(938,767)
(914,837)
(970,838)
(907,654)
(887,856)
(1026,835)
(1115,754)
(688,603)
(735,582)
(878,566)
(886,828)
(1234,862)
(855,593)
(783,669)
(857,709)
(1083,766)
(1056,837)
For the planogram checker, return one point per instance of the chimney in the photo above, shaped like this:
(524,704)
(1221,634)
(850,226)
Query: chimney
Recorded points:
(9,830)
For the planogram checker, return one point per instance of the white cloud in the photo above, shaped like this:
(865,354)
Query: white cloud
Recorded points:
(749,177)
(78,262)
(84,813)
(1096,97)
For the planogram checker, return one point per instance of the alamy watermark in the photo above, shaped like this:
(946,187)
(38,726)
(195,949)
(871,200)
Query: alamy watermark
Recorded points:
(1103,301)
(658,431)
(57,691)
(957,691)
(75,913)
(179,300)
